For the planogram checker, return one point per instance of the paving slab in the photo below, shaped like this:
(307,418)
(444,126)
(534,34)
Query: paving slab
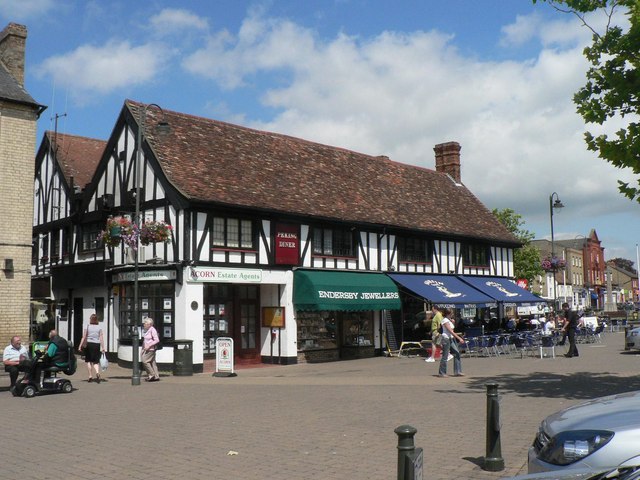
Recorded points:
(330,421)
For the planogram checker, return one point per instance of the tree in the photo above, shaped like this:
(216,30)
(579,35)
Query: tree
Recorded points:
(624,264)
(613,83)
(526,260)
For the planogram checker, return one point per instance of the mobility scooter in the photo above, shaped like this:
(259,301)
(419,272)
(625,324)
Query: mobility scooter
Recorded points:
(48,380)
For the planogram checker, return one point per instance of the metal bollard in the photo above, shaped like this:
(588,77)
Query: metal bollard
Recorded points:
(493,461)
(409,458)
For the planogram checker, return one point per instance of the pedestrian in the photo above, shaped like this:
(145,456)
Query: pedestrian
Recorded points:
(149,341)
(449,344)
(16,359)
(436,321)
(571,325)
(93,340)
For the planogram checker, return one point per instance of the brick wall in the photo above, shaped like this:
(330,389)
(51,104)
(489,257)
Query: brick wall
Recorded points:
(17,153)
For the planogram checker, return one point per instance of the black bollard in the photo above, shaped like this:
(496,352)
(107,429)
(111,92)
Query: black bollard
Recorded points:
(406,447)
(493,461)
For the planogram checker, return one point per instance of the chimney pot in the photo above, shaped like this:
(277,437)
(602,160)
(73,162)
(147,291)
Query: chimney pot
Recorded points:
(448,159)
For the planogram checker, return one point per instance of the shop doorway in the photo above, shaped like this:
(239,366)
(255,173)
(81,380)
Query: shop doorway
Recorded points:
(232,311)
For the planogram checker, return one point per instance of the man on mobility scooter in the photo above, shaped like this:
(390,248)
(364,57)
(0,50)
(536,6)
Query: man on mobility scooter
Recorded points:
(57,357)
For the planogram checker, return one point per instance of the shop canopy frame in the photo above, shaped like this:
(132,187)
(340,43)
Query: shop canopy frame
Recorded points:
(503,290)
(444,291)
(321,290)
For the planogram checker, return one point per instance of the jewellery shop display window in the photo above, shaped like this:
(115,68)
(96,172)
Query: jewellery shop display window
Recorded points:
(317,330)
(156,301)
(357,329)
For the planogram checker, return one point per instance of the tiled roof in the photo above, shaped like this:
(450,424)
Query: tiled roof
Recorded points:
(78,157)
(216,162)
(11,90)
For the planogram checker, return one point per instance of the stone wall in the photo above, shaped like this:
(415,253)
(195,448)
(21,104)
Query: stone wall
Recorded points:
(17,152)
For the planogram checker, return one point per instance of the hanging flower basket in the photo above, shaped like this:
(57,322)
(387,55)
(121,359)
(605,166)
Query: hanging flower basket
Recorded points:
(154,231)
(553,264)
(119,229)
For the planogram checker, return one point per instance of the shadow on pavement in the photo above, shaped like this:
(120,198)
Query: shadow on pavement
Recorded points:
(578,385)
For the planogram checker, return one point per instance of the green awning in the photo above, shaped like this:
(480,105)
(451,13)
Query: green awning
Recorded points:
(346,291)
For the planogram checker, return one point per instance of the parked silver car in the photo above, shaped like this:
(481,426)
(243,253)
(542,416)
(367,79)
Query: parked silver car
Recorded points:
(600,433)
(633,338)
(580,474)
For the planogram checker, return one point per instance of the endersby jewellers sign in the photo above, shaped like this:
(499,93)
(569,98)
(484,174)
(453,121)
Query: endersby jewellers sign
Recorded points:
(233,275)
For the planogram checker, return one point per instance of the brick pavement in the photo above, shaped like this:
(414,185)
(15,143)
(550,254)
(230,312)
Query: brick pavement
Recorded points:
(329,421)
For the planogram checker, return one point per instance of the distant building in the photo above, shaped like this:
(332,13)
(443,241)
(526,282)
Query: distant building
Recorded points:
(582,282)
(19,113)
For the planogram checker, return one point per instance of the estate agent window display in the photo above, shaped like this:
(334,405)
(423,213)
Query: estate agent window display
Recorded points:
(156,301)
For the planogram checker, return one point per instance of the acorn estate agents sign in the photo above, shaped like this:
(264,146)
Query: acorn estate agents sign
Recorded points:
(231,275)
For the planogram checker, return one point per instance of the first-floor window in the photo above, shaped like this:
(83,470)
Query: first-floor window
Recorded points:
(417,250)
(334,242)
(474,254)
(156,301)
(90,233)
(232,233)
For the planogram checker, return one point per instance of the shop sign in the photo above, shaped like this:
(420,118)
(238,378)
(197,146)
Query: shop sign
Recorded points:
(145,276)
(523,283)
(231,275)
(287,247)
(224,355)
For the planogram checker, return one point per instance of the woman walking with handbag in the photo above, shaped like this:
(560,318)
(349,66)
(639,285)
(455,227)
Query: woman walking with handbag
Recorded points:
(93,340)
(149,342)
(449,343)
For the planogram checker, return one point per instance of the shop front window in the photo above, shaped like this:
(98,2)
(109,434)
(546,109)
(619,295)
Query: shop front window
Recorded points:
(156,301)
(357,329)
(216,315)
(317,330)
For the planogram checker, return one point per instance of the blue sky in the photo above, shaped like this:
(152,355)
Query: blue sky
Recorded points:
(388,78)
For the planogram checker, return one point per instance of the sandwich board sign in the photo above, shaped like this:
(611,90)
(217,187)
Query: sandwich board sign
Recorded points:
(224,357)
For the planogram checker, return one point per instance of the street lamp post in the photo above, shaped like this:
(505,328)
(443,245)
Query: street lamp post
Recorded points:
(552,205)
(135,337)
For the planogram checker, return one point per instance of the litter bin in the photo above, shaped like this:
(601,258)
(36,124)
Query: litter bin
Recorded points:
(183,358)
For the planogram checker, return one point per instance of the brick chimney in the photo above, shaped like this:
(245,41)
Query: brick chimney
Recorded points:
(12,50)
(448,159)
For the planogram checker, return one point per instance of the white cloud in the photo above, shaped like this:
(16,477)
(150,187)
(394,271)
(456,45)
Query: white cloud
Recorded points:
(173,20)
(89,69)
(19,10)
(400,94)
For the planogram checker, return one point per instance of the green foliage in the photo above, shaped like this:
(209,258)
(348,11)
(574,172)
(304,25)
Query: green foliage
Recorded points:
(624,264)
(613,83)
(526,260)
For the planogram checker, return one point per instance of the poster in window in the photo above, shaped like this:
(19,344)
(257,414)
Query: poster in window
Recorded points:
(166,332)
(212,325)
(273,317)
(212,309)
(221,309)
(144,304)
(222,325)
(212,344)
(167,318)
(167,304)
